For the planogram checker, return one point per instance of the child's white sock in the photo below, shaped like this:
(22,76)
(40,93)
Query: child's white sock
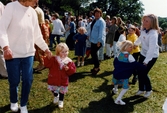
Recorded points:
(122,93)
(115,87)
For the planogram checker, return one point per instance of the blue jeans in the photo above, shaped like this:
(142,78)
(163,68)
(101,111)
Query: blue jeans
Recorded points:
(52,37)
(20,68)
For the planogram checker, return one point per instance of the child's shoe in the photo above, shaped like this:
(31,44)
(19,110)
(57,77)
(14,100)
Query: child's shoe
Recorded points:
(147,94)
(115,91)
(82,64)
(23,109)
(14,107)
(78,64)
(119,102)
(139,92)
(60,104)
(55,100)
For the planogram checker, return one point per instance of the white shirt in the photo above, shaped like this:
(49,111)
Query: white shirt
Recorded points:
(1,8)
(58,27)
(149,44)
(20,30)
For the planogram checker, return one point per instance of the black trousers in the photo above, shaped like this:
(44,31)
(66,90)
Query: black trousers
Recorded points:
(94,55)
(144,81)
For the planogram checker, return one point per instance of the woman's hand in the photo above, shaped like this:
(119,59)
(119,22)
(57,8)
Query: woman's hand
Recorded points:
(48,53)
(7,53)
(98,44)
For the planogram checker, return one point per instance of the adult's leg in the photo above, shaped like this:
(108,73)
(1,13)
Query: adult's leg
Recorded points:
(94,50)
(27,78)
(144,81)
(52,36)
(58,38)
(115,49)
(13,69)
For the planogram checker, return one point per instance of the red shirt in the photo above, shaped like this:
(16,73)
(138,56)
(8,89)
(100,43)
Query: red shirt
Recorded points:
(57,76)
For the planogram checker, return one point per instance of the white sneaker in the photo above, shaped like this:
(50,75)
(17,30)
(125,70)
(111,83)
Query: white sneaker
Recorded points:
(78,64)
(82,64)
(119,102)
(60,104)
(14,107)
(115,91)
(23,109)
(147,94)
(56,100)
(139,92)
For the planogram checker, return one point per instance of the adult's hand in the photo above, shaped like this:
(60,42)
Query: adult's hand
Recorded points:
(48,53)
(7,53)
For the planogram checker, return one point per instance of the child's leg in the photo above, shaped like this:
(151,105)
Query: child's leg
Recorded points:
(124,90)
(56,97)
(115,82)
(61,96)
(78,63)
(82,64)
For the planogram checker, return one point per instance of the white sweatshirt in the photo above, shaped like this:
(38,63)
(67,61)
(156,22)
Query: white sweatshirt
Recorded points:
(1,8)
(149,44)
(20,30)
(58,27)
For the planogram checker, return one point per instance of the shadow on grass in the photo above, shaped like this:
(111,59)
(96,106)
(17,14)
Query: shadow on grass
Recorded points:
(106,104)
(46,109)
(5,109)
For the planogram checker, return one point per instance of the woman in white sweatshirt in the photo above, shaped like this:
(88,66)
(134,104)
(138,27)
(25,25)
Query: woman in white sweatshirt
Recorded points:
(149,51)
(19,32)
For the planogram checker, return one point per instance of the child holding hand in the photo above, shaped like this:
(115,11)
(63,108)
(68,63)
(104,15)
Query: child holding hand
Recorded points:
(60,68)
(124,66)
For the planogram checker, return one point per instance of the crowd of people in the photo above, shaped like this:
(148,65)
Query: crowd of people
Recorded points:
(132,46)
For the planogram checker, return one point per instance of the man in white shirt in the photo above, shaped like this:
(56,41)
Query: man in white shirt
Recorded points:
(58,29)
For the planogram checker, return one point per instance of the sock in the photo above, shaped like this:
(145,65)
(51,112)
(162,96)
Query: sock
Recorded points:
(116,87)
(122,93)
(61,96)
(55,94)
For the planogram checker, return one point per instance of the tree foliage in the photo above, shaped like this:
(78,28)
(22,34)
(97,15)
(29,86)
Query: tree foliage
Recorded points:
(126,9)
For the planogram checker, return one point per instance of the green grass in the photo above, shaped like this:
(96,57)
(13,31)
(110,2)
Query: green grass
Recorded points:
(92,94)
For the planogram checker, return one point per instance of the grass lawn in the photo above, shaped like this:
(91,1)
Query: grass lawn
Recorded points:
(93,94)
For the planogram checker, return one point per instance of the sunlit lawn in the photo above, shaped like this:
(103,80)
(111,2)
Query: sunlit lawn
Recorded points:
(92,94)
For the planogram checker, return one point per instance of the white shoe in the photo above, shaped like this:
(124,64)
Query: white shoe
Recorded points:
(60,104)
(23,109)
(56,100)
(82,64)
(14,107)
(115,91)
(147,94)
(139,92)
(78,64)
(119,102)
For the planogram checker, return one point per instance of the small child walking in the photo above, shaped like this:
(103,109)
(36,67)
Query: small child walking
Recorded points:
(60,68)
(124,65)
(80,45)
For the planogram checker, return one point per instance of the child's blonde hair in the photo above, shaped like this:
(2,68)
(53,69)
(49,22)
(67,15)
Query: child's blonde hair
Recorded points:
(60,47)
(124,45)
(82,29)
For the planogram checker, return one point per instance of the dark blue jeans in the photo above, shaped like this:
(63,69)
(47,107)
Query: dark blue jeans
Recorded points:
(20,69)
(52,37)
(144,81)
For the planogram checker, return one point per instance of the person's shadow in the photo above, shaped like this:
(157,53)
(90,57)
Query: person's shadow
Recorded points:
(106,104)
(46,109)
